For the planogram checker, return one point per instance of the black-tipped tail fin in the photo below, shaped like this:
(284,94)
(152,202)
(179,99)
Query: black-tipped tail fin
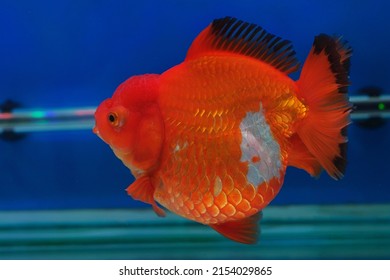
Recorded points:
(323,87)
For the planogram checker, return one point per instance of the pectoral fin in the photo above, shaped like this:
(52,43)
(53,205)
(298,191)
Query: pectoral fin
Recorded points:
(143,190)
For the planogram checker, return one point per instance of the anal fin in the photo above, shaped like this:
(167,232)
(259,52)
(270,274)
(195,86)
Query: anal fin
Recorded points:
(143,190)
(300,157)
(244,231)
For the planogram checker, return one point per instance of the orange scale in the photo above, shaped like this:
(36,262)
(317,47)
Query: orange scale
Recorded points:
(270,193)
(275,185)
(195,213)
(177,194)
(189,204)
(196,197)
(179,201)
(235,197)
(220,200)
(222,217)
(186,211)
(208,199)
(223,171)
(240,215)
(258,202)
(201,208)
(229,210)
(244,206)
(213,211)
(200,170)
(204,185)
(266,192)
(228,184)
(240,179)
(193,181)
(248,192)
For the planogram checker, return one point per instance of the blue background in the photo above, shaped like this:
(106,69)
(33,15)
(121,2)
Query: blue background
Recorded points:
(75,53)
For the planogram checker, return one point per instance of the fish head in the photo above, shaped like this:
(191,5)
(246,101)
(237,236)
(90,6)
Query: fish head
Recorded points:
(113,124)
(130,123)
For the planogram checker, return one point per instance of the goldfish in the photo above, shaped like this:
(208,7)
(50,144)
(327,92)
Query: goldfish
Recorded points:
(210,139)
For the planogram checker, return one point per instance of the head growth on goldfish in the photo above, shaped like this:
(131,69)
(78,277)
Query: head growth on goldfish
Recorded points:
(210,139)
(130,122)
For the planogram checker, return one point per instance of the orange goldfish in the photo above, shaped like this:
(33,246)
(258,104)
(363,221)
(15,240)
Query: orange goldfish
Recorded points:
(210,139)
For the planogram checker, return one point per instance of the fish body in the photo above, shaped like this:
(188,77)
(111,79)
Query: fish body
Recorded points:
(210,139)
(226,119)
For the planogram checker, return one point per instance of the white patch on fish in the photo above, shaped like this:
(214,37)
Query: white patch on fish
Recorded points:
(258,141)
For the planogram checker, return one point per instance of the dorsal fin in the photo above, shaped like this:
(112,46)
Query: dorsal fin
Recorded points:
(236,36)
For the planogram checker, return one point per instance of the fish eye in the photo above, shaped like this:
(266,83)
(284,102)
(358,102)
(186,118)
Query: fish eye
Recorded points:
(116,117)
(113,118)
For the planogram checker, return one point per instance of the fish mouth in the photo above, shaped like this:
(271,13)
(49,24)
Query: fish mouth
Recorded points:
(96,131)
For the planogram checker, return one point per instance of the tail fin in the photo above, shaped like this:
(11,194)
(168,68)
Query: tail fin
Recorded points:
(322,87)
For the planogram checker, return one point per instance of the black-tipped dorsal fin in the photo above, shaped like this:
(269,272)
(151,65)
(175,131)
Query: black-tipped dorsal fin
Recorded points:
(236,36)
